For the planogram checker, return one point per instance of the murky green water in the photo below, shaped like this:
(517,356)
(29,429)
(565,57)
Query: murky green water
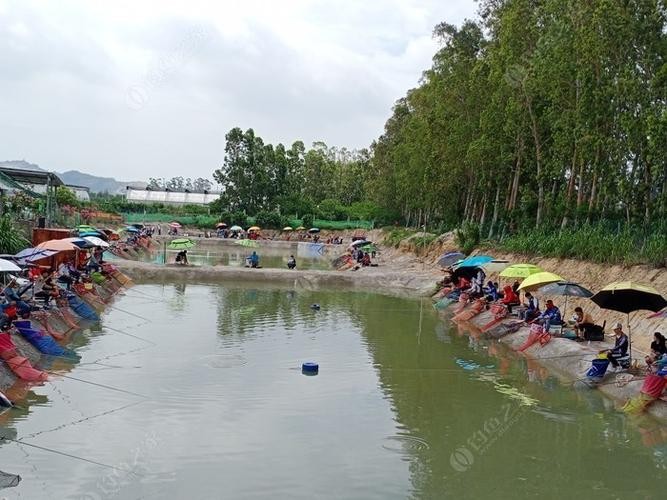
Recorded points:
(403,407)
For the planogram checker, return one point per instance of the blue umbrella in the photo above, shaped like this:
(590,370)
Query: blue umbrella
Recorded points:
(450,258)
(476,261)
(89,233)
(132,229)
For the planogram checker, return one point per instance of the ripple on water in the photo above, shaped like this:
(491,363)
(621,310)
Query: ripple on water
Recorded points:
(224,361)
(406,445)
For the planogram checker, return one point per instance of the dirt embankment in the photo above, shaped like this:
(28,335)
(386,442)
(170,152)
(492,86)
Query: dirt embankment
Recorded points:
(590,275)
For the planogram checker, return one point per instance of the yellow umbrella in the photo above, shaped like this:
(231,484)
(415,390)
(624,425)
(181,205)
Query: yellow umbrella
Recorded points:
(253,228)
(288,228)
(537,280)
(520,271)
(300,228)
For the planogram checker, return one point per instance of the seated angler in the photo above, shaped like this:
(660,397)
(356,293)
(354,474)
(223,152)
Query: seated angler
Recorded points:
(550,317)
(620,349)
(532,308)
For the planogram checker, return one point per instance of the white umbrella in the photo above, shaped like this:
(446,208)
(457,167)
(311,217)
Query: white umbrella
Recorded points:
(98,242)
(8,266)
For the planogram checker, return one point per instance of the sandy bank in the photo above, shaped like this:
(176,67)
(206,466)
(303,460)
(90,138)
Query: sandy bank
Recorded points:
(377,279)
(570,361)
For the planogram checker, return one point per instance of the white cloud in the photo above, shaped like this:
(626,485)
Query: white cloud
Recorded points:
(139,89)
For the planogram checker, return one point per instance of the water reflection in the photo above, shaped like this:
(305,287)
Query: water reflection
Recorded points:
(404,405)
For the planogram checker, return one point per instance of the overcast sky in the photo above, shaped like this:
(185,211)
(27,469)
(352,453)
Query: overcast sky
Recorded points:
(138,89)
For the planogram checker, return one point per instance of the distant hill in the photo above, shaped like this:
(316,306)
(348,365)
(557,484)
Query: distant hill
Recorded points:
(20,165)
(75,178)
(99,184)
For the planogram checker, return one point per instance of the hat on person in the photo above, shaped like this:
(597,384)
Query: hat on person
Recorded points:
(618,326)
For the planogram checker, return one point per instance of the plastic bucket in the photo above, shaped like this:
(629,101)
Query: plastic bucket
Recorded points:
(598,368)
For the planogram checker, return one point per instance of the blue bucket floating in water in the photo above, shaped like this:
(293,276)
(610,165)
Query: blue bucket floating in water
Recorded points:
(310,368)
(598,368)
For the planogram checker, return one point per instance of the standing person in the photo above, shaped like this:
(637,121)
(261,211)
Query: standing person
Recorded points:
(291,262)
(620,349)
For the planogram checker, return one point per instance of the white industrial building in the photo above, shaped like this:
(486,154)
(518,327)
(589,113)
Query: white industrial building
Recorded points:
(149,197)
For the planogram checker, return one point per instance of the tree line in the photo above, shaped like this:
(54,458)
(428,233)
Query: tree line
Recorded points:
(260,177)
(539,113)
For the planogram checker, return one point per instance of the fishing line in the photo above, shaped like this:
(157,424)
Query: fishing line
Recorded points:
(81,420)
(69,455)
(129,335)
(97,385)
(130,313)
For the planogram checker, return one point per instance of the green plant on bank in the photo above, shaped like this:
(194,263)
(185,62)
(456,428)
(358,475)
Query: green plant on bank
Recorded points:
(422,242)
(11,239)
(468,237)
(594,243)
(394,235)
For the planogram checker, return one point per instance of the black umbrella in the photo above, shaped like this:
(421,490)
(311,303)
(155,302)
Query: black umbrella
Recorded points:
(627,297)
(566,289)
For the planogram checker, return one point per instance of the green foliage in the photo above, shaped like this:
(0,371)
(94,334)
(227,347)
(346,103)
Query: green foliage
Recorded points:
(394,235)
(66,197)
(307,221)
(11,238)
(595,243)
(269,220)
(468,237)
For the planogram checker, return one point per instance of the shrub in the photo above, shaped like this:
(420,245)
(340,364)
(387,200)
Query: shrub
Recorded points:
(468,237)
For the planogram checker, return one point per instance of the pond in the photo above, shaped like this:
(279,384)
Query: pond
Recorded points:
(199,392)
(308,256)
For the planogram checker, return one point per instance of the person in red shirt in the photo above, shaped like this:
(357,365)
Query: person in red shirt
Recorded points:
(510,299)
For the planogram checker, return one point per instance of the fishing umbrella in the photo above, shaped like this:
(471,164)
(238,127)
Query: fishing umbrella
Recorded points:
(138,226)
(247,243)
(175,225)
(659,314)
(253,228)
(314,230)
(288,228)
(300,228)
(221,225)
(85,227)
(538,280)
(8,266)
(360,243)
(57,245)
(80,242)
(181,244)
(236,229)
(95,241)
(451,258)
(368,247)
(495,266)
(627,297)
(89,233)
(475,261)
(566,289)
(520,271)
(30,254)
